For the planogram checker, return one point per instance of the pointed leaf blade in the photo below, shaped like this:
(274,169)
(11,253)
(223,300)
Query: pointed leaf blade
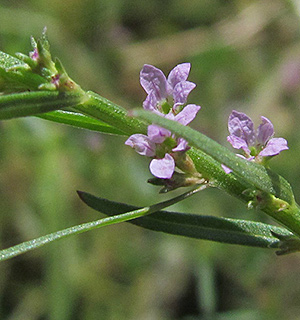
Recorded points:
(225,230)
(8,61)
(80,121)
(133,214)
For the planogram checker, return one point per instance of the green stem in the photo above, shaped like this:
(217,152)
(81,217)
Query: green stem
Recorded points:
(286,212)
(33,103)
(114,115)
(106,111)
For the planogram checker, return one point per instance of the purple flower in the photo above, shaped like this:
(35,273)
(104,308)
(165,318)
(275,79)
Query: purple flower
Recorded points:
(159,88)
(256,144)
(153,145)
(159,143)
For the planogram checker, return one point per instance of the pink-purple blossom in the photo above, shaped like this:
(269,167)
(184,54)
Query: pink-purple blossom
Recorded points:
(256,144)
(166,97)
(160,89)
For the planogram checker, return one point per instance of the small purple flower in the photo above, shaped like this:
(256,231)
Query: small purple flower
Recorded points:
(152,145)
(256,144)
(159,143)
(159,88)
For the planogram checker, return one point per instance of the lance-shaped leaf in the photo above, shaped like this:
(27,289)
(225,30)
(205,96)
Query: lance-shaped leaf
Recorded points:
(133,214)
(8,61)
(233,231)
(256,175)
(32,103)
(79,120)
(15,75)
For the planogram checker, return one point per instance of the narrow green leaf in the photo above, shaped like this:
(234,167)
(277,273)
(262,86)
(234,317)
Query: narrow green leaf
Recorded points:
(15,75)
(257,175)
(233,231)
(17,81)
(32,103)
(136,213)
(8,61)
(79,120)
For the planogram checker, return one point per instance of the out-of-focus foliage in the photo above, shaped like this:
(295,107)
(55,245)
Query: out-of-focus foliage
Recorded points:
(245,55)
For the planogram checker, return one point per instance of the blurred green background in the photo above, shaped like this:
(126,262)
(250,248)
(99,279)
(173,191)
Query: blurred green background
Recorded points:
(245,55)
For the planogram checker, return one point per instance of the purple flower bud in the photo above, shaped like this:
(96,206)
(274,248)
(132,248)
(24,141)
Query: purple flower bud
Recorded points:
(34,55)
(56,80)
(163,168)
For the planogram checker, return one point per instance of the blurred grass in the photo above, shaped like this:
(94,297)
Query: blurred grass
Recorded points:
(244,55)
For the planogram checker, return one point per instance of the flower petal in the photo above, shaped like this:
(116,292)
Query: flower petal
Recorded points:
(157,134)
(150,103)
(265,131)
(179,73)
(274,147)
(141,144)
(153,80)
(238,143)
(226,169)
(188,114)
(163,168)
(241,126)
(182,145)
(182,90)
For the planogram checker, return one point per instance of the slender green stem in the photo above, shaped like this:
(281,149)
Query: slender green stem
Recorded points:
(32,103)
(114,115)
(244,184)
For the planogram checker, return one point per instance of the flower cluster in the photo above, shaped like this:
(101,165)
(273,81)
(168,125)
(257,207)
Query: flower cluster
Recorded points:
(258,145)
(52,73)
(166,97)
